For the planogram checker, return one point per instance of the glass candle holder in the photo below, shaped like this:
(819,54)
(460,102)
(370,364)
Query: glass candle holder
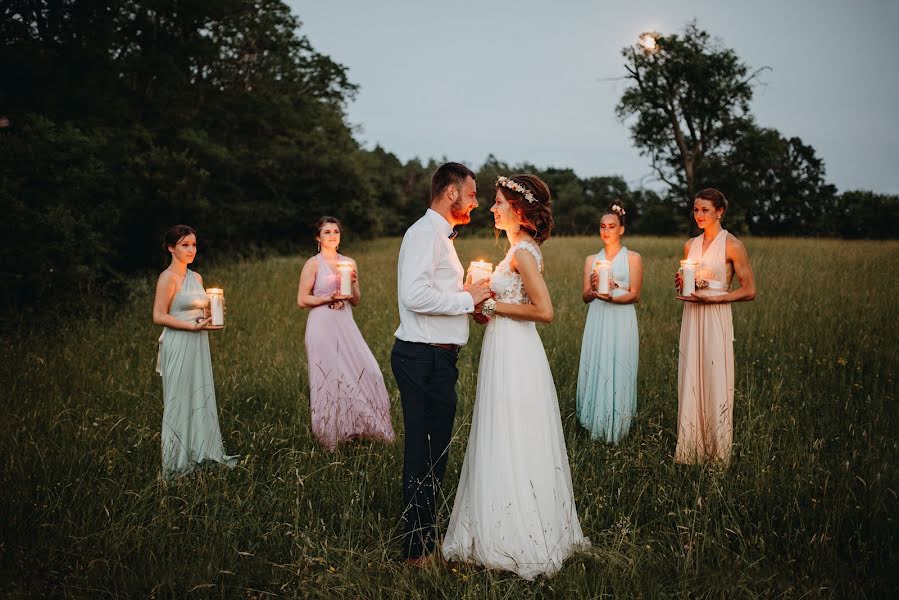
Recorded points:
(603,270)
(216,305)
(687,270)
(479,269)
(345,271)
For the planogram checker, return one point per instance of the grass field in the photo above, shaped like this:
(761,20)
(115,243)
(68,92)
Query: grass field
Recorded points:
(807,509)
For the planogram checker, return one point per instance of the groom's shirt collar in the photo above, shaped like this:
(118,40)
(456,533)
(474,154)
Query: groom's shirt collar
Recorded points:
(442,225)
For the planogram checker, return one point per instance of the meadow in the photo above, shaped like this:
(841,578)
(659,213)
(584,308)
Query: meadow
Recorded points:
(807,508)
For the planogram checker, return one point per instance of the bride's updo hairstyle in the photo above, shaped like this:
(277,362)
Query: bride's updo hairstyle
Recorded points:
(531,200)
(715,197)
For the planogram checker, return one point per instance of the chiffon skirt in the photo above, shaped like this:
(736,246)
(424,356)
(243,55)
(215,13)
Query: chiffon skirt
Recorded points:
(514,507)
(705,384)
(347,394)
(190,423)
(607,375)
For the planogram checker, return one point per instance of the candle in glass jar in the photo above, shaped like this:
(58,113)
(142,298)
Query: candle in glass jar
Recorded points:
(479,269)
(216,305)
(345,270)
(688,276)
(603,270)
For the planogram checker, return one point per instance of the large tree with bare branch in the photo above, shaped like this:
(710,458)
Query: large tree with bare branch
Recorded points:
(687,101)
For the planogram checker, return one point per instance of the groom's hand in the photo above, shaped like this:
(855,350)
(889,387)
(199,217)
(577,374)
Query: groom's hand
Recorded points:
(479,291)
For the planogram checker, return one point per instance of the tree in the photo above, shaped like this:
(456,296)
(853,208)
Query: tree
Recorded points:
(862,214)
(690,100)
(151,113)
(775,185)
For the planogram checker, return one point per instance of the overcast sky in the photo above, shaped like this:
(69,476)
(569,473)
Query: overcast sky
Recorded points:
(527,80)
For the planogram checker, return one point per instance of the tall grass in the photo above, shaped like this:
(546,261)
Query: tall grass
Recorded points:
(808,507)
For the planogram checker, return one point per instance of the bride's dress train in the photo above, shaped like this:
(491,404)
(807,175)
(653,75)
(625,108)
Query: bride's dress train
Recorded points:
(514,508)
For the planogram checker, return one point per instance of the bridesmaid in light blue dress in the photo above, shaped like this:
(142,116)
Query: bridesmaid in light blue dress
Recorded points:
(607,375)
(190,424)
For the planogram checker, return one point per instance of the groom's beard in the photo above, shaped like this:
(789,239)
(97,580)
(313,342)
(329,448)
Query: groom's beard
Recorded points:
(458,212)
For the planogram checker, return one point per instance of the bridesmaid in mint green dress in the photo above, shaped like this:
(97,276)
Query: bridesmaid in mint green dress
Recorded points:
(607,376)
(190,424)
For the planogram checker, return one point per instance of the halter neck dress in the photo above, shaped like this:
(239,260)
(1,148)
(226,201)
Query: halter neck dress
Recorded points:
(190,423)
(347,395)
(705,373)
(607,375)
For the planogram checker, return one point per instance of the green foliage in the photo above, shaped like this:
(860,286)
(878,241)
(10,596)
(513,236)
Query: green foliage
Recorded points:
(127,117)
(776,185)
(862,214)
(807,509)
(690,99)
(56,217)
(688,103)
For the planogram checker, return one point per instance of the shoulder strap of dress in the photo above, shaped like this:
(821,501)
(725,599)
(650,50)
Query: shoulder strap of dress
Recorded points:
(526,245)
(695,247)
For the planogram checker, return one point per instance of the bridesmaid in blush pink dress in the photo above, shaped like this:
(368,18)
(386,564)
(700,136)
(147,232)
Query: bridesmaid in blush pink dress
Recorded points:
(705,374)
(346,389)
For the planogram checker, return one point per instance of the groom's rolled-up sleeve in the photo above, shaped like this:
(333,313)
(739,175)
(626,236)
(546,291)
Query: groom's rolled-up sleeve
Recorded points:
(417,286)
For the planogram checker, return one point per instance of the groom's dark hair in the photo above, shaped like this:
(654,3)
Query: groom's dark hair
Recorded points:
(447,174)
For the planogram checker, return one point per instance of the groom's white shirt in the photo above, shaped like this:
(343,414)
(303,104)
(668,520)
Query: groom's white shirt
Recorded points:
(433,307)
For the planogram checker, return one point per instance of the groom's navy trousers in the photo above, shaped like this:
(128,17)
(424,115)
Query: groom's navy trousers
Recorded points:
(426,376)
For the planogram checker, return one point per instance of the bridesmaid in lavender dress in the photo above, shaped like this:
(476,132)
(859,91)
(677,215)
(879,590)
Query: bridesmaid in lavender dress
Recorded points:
(705,377)
(346,389)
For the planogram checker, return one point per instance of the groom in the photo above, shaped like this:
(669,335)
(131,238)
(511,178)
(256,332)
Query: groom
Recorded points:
(434,307)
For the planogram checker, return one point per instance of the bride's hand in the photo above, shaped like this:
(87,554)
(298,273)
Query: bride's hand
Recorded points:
(479,317)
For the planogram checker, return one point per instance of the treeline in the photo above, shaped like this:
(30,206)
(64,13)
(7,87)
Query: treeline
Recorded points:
(120,118)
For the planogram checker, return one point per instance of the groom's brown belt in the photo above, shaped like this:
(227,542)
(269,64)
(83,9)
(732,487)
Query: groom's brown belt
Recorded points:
(450,347)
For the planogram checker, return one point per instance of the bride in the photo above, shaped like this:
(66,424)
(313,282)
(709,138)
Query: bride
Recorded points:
(514,508)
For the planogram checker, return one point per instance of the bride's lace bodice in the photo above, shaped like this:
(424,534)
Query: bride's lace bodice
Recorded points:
(507,284)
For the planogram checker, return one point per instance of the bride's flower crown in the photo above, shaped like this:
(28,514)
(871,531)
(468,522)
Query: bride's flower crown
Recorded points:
(516,187)
(618,209)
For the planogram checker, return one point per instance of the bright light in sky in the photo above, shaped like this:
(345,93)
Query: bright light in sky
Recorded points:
(537,82)
(648,42)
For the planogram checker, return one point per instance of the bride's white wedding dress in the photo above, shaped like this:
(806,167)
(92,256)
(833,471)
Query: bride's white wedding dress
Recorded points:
(514,508)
